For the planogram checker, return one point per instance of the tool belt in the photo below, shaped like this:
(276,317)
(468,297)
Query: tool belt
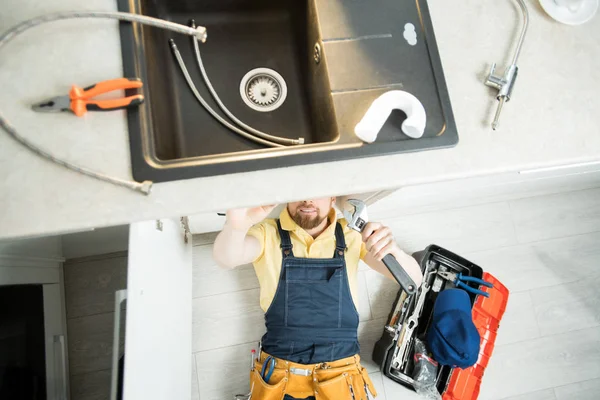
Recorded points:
(337,380)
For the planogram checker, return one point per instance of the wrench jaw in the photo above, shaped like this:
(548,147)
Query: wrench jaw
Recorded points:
(355,212)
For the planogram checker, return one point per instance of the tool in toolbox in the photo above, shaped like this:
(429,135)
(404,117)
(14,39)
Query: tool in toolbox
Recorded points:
(400,311)
(357,220)
(460,279)
(400,356)
(79,100)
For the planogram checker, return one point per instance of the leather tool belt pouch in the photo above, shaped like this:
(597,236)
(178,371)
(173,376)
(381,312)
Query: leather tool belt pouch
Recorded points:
(338,380)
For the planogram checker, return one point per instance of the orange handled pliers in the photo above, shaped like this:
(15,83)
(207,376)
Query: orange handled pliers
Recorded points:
(79,100)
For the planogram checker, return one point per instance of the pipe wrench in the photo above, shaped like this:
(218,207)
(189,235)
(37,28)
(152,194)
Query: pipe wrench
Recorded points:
(357,220)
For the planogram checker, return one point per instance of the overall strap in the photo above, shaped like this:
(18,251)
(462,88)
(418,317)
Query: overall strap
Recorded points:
(286,241)
(340,241)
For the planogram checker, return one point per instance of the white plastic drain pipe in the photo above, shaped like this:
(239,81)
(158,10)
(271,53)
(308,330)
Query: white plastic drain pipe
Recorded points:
(414,126)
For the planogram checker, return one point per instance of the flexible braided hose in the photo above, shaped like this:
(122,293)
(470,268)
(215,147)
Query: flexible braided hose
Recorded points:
(207,107)
(143,187)
(239,123)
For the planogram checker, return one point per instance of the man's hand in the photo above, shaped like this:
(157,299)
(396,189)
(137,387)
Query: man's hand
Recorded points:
(243,218)
(233,246)
(380,242)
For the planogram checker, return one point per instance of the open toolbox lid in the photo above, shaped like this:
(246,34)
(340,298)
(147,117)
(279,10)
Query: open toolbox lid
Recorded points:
(452,383)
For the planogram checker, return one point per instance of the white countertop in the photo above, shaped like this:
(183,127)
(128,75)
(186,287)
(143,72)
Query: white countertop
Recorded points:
(553,119)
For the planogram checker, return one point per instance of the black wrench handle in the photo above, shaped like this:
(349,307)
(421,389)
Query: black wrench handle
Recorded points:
(401,276)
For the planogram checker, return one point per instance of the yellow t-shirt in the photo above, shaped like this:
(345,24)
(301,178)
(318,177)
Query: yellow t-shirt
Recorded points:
(268,263)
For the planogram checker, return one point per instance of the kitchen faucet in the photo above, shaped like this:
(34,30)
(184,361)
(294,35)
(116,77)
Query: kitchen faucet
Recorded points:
(506,83)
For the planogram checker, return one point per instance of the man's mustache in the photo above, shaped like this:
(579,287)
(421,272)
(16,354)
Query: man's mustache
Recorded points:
(307,205)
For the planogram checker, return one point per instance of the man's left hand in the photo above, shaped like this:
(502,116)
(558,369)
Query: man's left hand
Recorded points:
(379,241)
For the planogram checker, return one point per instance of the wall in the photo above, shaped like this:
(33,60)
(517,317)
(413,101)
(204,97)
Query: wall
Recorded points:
(95,242)
(90,285)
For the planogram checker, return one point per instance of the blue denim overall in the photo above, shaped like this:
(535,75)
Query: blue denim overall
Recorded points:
(312,318)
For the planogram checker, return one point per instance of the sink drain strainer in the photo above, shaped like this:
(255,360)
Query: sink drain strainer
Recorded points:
(263,89)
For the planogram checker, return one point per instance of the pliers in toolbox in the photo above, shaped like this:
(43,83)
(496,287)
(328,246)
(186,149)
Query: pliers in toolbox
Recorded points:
(79,100)
(460,279)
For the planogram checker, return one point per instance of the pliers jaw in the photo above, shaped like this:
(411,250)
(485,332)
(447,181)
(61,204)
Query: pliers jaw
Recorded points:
(53,104)
(449,276)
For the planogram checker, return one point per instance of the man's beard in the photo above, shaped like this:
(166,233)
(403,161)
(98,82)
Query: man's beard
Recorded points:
(307,222)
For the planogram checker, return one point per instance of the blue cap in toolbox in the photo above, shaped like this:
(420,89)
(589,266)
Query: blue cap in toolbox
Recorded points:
(453,338)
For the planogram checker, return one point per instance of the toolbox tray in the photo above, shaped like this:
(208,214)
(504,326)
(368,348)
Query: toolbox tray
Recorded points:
(448,381)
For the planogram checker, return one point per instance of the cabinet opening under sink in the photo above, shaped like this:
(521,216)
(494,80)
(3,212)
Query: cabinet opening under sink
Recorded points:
(278,35)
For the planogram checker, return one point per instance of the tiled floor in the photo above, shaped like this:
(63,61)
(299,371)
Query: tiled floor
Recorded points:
(546,250)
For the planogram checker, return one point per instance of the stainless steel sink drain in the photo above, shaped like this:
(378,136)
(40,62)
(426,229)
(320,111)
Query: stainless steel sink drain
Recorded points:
(263,89)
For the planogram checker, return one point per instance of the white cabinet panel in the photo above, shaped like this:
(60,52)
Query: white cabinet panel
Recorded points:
(159,312)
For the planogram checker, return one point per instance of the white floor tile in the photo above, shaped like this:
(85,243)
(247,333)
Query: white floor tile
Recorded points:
(369,332)
(567,307)
(587,390)
(395,391)
(226,320)
(382,293)
(195,388)
(547,394)
(459,230)
(225,372)
(559,215)
(363,306)
(543,363)
(519,322)
(377,378)
(483,190)
(362,266)
(209,279)
(542,264)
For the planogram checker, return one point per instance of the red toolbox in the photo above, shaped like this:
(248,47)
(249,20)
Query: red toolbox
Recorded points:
(487,312)
(452,383)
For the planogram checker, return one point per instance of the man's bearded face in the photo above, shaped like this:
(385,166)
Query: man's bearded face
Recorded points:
(309,214)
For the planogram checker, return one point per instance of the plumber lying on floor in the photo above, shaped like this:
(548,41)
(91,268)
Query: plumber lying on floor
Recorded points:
(307,263)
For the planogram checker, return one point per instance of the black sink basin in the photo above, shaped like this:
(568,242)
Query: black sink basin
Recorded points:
(172,137)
